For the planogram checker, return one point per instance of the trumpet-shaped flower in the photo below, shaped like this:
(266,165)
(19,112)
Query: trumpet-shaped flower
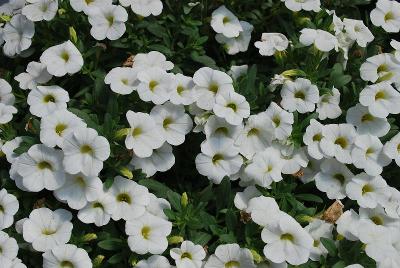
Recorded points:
(8,208)
(108,21)
(299,95)
(366,123)
(223,21)
(271,43)
(386,15)
(231,106)
(66,256)
(38,10)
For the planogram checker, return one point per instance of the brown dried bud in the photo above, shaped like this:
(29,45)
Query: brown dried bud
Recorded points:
(129,61)
(39,203)
(245,217)
(358,53)
(299,173)
(333,213)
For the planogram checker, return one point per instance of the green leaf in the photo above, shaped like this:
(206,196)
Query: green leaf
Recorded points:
(200,238)
(330,246)
(158,188)
(309,197)
(111,244)
(339,264)
(231,220)
(175,200)
(116,258)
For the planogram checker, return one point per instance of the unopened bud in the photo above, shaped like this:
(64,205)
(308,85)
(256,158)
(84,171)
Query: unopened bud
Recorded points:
(126,173)
(98,260)
(72,34)
(122,133)
(89,237)
(175,240)
(256,256)
(184,199)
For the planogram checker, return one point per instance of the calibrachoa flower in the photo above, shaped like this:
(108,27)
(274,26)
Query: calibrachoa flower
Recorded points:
(387,15)
(38,10)
(96,211)
(144,8)
(322,40)
(8,208)
(122,80)
(225,22)
(188,255)
(282,121)
(17,35)
(85,6)
(237,44)
(45,100)
(9,249)
(380,68)
(317,229)
(309,5)
(299,95)
(36,74)
(155,261)
(66,256)
(231,106)
(328,105)
(271,43)
(230,255)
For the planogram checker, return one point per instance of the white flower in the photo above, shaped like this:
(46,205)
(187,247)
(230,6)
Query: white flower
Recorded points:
(144,8)
(234,45)
(260,207)
(17,263)
(218,158)
(312,139)
(368,154)
(188,255)
(299,95)
(293,159)
(317,229)
(223,21)
(391,148)
(396,45)
(238,71)
(162,159)
(144,134)
(108,21)
(155,85)
(38,10)
(155,261)
(148,234)
(6,96)
(217,126)
(231,106)
(78,190)
(157,205)
(173,122)
(387,15)
(9,249)
(152,59)
(256,135)
(367,190)
(17,35)
(347,225)
(328,105)
(85,5)
(8,208)
(62,59)
(266,167)
(36,74)
(322,40)
(96,211)
(358,31)
(45,100)
(365,122)
(333,178)
(84,151)
(46,229)
(287,241)
(6,113)
(308,5)
(9,147)
(271,43)
(126,199)
(12,7)
(381,67)
(230,255)
(184,91)
(242,199)
(210,83)
(337,141)
(311,170)
(378,217)
(381,99)
(66,256)
(41,168)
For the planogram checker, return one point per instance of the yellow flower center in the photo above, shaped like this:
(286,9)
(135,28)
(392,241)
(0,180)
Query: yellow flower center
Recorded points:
(124,197)
(287,236)
(60,128)
(216,158)
(342,142)
(86,149)
(146,232)
(49,98)
(44,165)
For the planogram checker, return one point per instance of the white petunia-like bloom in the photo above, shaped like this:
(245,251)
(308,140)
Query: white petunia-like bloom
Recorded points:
(357,31)
(366,123)
(12,7)
(184,91)
(148,234)
(122,80)
(8,208)
(293,158)
(313,167)
(242,199)
(41,168)
(62,59)
(108,21)
(144,8)
(299,95)
(308,5)
(126,199)
(152,59)
(6,96)
(271,43)
(348,225)
(188,255)
(218,127)
(45,100)
(237,44)
(219,157)
(9,147)
(210,83)
(17,35)
(144,134)
(86,5)
(367,190)
(36,74)
(386,15)
(66,256)
(84,151)
(155,261)
(322,40)
(173,122)
(261,206)
(157,205)
(380,68)
(6,113)
(378,217)
(256,136)
(391,148)
(17,263)
(333,178)
(230,255)
(9,250)
(46,229)
(381,99)
(317,229)
(38,10)
(287,241)
(266,167)
(55,126)
(312,138)
(396,46)
(338,141)
(162,159)
(78,190)
(96,211)
(155,85)
(281,119)
(223,21)
(328,105)
(231,106)
(368,154)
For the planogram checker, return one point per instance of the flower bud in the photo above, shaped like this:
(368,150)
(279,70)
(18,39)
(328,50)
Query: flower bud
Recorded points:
(184,200)
(89,237)
(126,173)
(175,240)
(98,260)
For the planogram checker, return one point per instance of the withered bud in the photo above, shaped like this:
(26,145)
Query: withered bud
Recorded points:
(333,213)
